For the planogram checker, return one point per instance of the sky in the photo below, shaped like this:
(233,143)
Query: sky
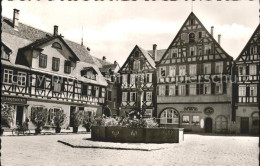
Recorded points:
(113,28)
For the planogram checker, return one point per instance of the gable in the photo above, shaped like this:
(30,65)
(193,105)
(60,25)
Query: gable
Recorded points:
(193,43)
(251,51)
(138,55)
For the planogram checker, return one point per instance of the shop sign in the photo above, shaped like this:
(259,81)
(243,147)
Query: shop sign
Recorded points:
(191,109)
(14,100)
(209,111)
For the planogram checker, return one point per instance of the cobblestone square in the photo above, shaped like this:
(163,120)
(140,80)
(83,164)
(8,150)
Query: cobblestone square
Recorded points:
(195,150)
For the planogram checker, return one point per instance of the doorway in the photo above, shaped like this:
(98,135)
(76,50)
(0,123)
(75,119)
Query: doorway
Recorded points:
(72,110)
(19,115)
(244,125)
(208,125)
(107,112)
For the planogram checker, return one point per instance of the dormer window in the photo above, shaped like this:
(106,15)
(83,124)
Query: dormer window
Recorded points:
(5,52)
(89,73)
(191,38)
(56,45)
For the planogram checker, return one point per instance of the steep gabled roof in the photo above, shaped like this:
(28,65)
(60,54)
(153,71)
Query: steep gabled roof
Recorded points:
(146,55)
(100,63)
(257,30)
(181,29)
(106,68)
(30,34)
(159,55)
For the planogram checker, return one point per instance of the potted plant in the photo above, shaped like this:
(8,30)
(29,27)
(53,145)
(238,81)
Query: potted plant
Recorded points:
(76,120)
(59,120)
(39,118)
(6,116)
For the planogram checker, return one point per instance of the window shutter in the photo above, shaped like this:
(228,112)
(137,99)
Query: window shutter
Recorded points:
(128,96)
(128,78)
(100,92)
(213,68)
(247,70)
(247,91)
(201,88)
(224,87)
(196,36)
(176,90)
(225,66)
(15,75)
(187,70)
(142,61)
(63,85)
(144,99)
(198,89)
(187,89)
(167,71)
(167,90)
(93,90)
(157,90)
(212,88)
(177,70)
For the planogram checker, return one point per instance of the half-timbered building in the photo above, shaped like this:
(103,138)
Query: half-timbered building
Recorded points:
(247,87)
(41,70)
(136,83)
(193,88)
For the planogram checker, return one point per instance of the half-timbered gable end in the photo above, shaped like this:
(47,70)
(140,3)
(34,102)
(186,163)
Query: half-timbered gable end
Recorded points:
(138,69)
(247,86)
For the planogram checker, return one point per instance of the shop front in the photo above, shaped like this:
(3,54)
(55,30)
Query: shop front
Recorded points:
(198,118)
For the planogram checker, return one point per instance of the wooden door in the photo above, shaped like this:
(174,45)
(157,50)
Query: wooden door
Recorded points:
(244,125)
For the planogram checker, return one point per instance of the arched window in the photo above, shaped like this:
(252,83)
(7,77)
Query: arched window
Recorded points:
(56,45)
(191,38)
(169,116)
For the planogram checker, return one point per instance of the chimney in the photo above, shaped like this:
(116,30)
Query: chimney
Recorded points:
(88,48)
(219,37)
(154,51)
(212,30)
(115,62)
(55,30)
(16,19)
(104,58)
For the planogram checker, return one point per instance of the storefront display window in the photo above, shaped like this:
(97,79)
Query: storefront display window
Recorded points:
(196,120)
(185,119)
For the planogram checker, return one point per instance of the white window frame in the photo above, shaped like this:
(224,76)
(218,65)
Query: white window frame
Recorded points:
(89,90)
(8,76)
(241,90)
(136,65)
(124,96)
(124,79)
(207,89)
(253,90)
(172,90)
(149,96)
(206,48)
(193,49)
(193,69)
(132,78)
(57,85)
(182,90)
(252,69)
(193,89)
(161,90)
(243,70)
(165,115)
(21,78)
(188,119)
(172,71)
(219,67)
(182,70)
(207,68)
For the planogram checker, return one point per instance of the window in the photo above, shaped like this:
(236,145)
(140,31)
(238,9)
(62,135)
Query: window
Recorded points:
(132,78)
(55,64)
(242,91)
(241,70)
(40,82)
(96,91)
(56,45)
(192,51)
(207,89)
(21,79)
(89,90)
(52,113)
(185,119)
(191,21)
(172,90)
(191,38)
(169,116)
(136,65)
(43,60)
(172,71)
(8,76)
(149,77)
(253,50)
(200,51)
(252,69)
(207,68)
(208,49)
(196,120)
(182,70)
(136,54)
(200,35)
(193,69)
(163,71)
(132,96)
(182,90)
(148,96)
(193,89)
(124,96)
(253,90)
(219,67)
(67,66)
(175,53)
(149,112)
(124,79)
(109,95)
(219,88)
(4,55)
(161,90)
(57,85)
